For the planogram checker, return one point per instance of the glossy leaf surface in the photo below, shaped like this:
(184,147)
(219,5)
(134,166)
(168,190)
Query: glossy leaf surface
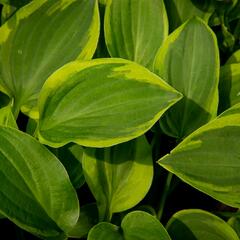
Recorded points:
(102,102)
(32,45)
(194,224)
(130,29)
(189,61)
(35,192)
(209,160)
(119,177)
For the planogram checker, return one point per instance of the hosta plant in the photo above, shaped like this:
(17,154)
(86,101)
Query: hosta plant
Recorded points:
(120,119)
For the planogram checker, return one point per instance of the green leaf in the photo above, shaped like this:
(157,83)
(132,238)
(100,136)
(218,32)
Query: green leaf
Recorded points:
(135,225)
(189,61)
(119,177)
(229,86)
(101,103)
(71,157)
(131,32)
(35,191)
(180,11)
(209,160)
(87,219)
(234,222)
(15,3)
(235,58)
(195,224)
(7,118)
(6,115)
(7,12)
(40,38)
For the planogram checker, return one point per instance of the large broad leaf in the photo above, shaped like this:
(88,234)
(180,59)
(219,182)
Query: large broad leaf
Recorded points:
(229,86)
(119,177)
(209,158)
(135,225)
(180,11)
(40,38)
(130,29)
(235,58)
(194,224)
(35,191)
(102,102)
(189,61)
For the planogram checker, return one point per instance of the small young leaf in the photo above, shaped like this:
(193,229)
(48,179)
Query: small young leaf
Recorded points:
(135,225)
(101,103)
(119,177)
(130,29)
(209,160)
(189,61)
(229,86)
(35,192)
(41,37)
(195,224)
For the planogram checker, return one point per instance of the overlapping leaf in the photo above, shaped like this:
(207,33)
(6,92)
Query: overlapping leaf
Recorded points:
(40,38)
(209,160)
(180,11)
(130,29)
(189,61)
(135,225)
(194,224)
(235,58)
(119,177)
(229,86)
(101,103)
(35,191)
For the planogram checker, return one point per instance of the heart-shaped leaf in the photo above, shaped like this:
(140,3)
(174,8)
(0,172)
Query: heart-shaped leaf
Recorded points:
(35,191)
(135,225)
(209,160)
(189,61)
(119,177)
(195,224)
(130,29)
(41,37)
(101,103)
